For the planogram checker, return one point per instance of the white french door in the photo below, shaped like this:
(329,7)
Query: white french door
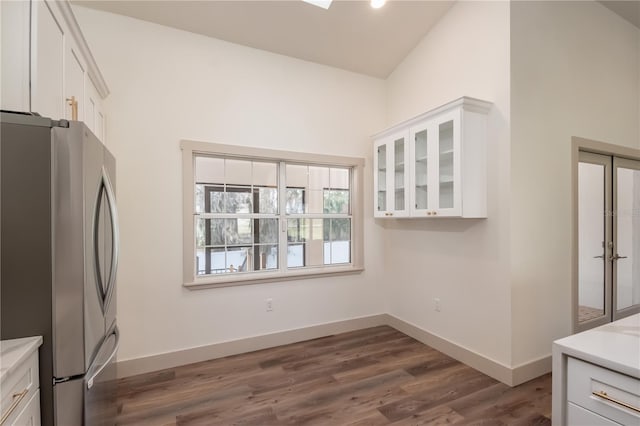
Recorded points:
(608,239)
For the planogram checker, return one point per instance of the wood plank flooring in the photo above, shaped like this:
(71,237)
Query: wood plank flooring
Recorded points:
(376,376)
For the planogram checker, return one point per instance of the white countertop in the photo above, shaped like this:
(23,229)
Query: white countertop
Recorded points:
(14,351)
(615,346)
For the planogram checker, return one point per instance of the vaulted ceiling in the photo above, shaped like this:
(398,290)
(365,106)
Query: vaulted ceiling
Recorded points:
(349,35)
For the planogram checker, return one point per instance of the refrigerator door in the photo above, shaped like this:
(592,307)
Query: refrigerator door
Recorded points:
(108,242)
(100,384)
(80,206)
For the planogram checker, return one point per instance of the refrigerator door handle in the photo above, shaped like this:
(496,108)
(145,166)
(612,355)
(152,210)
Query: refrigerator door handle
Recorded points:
(93,376)
(115,234)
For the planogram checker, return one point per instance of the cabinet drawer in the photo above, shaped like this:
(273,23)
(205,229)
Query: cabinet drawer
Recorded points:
(578,416)
(30,415)
(605,392)
(20,387)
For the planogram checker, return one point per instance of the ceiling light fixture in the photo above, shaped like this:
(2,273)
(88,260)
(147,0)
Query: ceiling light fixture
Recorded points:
(377,4)
(320,3)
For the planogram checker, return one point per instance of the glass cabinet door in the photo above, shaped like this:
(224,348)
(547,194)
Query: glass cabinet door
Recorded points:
(381,178)
(391,176)
(447,186)
(400,176)
(420,140)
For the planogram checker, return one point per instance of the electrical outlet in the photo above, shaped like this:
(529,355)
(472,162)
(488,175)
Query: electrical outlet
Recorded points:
(436,304)
(269,304)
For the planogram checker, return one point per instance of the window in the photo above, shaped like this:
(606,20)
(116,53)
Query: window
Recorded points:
(256,215)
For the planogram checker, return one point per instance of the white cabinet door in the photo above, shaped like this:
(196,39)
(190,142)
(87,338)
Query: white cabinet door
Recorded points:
(422,176)
(74,87)
(47,62)
(391,178)
(93,110)
(445,155)
(14,26)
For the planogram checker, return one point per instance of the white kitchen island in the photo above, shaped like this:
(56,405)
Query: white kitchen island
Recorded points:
(596,375)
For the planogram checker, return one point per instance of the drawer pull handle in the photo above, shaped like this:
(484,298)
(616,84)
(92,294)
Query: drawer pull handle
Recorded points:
(603,395)
(17,398)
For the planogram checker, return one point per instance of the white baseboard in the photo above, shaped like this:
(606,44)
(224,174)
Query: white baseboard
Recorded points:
(510,376)
(132,367)
(495,369)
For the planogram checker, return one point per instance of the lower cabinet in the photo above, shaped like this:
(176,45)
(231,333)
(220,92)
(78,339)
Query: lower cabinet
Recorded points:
(608,396)
(30,415)
(596,376)
(20,385)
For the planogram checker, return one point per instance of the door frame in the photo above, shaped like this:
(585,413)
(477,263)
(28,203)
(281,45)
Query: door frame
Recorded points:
(578,145)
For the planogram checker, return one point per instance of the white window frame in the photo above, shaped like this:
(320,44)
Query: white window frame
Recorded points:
(192,148)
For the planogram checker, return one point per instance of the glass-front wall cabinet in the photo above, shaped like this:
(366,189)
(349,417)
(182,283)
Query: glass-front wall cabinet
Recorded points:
(391,176)
(420,164)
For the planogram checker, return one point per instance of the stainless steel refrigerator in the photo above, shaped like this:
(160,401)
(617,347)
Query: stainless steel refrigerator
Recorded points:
(59,256)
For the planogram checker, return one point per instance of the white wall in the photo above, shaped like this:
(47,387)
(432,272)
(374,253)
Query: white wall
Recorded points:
(574,72)
(465,263)
(167,85)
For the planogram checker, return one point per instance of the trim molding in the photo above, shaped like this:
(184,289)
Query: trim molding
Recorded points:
(510,376)
(132,367)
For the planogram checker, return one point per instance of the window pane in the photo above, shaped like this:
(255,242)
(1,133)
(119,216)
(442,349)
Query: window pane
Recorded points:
(215,234)
(214,198)
(209,170)
(297,230)
(239,259)
(295,255)
(339,178)
(266,231)
(199,198)
(295,201)
(267,257)
(237,172)
(296,176)
(265,174)
(340,252)
(340,230)
(315,202)
(336,201)
(315,247)
(216,258)
(238,199)
(318,178)
(265,200)
(238,231)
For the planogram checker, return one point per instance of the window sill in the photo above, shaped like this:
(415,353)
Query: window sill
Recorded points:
(266,277)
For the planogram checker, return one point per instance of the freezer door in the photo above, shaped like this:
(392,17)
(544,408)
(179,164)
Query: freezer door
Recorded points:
(68,403)
(100,407)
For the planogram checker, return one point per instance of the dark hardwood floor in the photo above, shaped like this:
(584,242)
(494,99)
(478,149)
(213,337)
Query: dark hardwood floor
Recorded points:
(376,376)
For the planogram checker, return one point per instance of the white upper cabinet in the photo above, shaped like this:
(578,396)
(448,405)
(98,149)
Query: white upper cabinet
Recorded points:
(47,67)
(443,167)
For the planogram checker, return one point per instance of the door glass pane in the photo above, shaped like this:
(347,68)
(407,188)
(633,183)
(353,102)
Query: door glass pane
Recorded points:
(628,237)
(398,152)
(421,169)
(445,162)
(382,178)
(591,246)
